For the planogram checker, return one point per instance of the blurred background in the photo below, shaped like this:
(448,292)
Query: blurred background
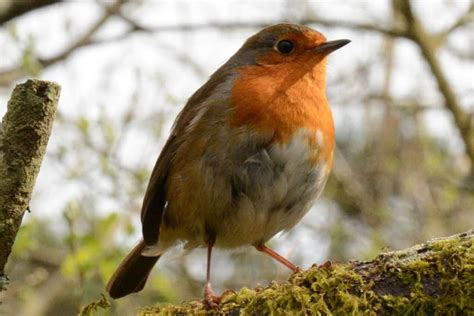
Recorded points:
(402,95)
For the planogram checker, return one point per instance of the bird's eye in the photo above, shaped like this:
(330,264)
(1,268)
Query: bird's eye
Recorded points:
(284,46)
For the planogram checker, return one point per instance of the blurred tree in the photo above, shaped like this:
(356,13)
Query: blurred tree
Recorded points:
(402,101)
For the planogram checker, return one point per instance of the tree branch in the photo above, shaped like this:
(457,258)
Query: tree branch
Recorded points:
(86,38)
(431,278)
(137,27)
(10,9)
(466,18)
(428,45)
(9,75)
(24,134)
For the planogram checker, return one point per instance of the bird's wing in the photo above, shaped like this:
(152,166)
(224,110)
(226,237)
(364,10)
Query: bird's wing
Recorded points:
(155,197)
(154,202)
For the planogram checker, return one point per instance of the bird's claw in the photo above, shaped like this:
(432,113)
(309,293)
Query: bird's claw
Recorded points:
(210,299)
(326,265)
(297,270)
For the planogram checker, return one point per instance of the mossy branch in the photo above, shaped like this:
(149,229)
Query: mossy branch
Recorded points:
(24,134)
(433,278)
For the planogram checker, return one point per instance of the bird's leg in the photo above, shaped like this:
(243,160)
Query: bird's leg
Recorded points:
(210,298)
(277,257)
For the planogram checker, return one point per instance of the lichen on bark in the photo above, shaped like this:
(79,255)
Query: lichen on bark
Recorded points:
(433,278)
(24,134)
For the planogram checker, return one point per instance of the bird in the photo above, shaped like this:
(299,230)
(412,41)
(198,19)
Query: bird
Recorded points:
(246,158)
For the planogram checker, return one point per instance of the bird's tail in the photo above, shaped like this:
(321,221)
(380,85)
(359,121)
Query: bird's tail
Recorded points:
(132,273)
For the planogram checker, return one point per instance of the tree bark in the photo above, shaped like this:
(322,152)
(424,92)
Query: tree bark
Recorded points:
(433,278)
(24,134)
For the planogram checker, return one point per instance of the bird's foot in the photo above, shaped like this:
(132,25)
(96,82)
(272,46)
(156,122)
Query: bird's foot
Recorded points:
(210,299)
(297,270)
(326,265)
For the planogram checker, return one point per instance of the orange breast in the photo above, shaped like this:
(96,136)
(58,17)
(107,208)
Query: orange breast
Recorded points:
(281,101)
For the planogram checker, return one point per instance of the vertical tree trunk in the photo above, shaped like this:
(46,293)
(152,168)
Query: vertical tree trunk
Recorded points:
(24,134)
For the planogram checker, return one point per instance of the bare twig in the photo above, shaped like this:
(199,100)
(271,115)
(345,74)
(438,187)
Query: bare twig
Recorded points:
(9,75)
(11,9)
(466,18)
(86,38)
(424,40)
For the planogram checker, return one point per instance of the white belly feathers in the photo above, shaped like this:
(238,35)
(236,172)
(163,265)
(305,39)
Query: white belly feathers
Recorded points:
(282,183)
(242,198)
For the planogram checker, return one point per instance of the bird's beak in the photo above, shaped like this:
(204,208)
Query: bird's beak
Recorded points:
(329,47)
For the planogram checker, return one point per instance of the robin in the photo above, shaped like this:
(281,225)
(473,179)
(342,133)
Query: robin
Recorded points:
(246,158)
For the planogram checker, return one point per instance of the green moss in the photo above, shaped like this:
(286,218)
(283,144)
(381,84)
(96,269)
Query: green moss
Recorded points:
(436,278)
(92,308)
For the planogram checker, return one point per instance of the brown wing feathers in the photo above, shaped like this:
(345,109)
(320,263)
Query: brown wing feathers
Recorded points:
(155,196)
